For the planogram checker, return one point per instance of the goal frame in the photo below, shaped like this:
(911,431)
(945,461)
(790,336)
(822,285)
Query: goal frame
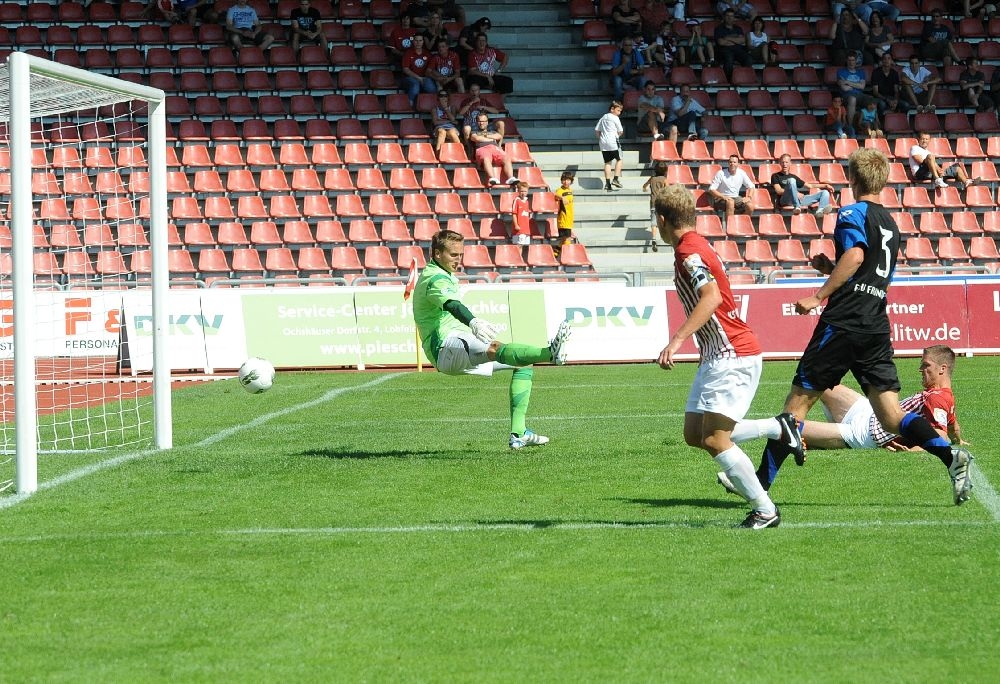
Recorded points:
(20,66)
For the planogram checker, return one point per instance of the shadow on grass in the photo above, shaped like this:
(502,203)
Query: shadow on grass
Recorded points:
(698,503)
(342,454)
(584,524)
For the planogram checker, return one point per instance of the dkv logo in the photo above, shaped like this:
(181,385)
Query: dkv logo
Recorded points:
(609,317)
(184,324)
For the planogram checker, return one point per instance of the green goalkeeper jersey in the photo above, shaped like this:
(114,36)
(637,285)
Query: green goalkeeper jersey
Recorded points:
(435,287)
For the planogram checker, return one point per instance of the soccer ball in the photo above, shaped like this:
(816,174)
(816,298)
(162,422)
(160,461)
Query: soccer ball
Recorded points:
(256,375)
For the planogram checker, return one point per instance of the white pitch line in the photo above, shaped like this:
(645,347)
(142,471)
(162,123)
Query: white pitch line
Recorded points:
(983,492)
(11,501)
(465,528)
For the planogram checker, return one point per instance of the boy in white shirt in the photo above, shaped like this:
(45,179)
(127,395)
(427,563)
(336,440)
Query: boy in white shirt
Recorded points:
(609,130)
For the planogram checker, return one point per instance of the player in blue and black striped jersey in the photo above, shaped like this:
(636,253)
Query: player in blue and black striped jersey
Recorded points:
(853,333)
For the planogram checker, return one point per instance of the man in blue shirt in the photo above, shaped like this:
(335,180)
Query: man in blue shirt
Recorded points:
(851,82)
(626,69)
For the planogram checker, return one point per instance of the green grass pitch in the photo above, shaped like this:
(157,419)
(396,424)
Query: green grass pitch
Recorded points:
(375,527)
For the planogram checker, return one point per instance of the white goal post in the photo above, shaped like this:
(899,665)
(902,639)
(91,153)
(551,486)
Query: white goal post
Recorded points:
(39,97)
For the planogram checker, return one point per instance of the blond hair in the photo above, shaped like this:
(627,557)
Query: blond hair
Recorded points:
(674,204)
(868,171)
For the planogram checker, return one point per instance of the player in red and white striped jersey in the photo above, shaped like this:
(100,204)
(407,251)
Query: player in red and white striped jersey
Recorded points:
(730,366)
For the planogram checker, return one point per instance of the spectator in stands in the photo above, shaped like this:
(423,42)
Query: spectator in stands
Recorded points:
(785,190)
(484,65)
(836,120)
(520,219)
(697,47)
(609,132)
(664,48)
(847,35)
(471,108)
(732,189)
(924,165)
(626,22)
(652,114)
(883,8)
(243,24)
(935,42)
(757,43)
(971,83)
(658,11)
(972,8)
(879,40)
(467,37)
(919,85)
(444,67)
(685,115)
(435,32)
(730,44)
(420,13)
(867,123)
(306,25)
(851,82)
(185,11)
(449,9)
(626,69)
(887,87)
(992,99)
(415,78)
(401,39)
(444,118)
(487,141)
(740,8)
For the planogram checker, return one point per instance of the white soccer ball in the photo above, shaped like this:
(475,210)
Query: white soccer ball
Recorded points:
(256,375)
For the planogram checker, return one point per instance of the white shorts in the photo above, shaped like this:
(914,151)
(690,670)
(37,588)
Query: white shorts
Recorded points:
(519,239)
(462,353)
(725,386)
(855,428)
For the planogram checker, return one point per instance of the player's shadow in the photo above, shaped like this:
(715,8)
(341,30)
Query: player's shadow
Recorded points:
(344,454)
(671,503)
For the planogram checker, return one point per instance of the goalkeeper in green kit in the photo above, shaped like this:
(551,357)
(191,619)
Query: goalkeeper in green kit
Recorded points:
(458,343)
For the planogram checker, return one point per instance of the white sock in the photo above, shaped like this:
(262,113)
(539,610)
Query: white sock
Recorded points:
(754,429)
(739,469)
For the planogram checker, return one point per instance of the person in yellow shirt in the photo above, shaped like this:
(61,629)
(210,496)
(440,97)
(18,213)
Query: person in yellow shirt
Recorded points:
(564,220)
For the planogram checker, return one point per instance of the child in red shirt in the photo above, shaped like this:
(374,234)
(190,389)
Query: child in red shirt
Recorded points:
(520,227)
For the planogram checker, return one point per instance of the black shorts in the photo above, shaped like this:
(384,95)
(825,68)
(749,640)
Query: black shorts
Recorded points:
(611,155)
(832,352)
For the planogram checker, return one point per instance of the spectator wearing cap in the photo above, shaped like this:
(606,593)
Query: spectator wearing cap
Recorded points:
(696,47)
(467,36)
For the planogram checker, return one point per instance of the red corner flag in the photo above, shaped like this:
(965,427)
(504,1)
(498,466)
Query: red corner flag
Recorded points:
(411,281)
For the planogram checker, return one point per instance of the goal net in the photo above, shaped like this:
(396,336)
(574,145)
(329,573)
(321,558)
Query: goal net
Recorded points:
(83,240)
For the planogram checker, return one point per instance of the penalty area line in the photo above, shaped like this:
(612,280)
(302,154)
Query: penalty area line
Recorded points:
(11,501)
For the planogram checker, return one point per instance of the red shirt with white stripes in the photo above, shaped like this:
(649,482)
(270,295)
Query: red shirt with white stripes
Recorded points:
(725,335)
(937,405)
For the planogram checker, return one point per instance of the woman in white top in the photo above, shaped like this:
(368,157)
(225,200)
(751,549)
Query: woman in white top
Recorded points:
(757,43)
